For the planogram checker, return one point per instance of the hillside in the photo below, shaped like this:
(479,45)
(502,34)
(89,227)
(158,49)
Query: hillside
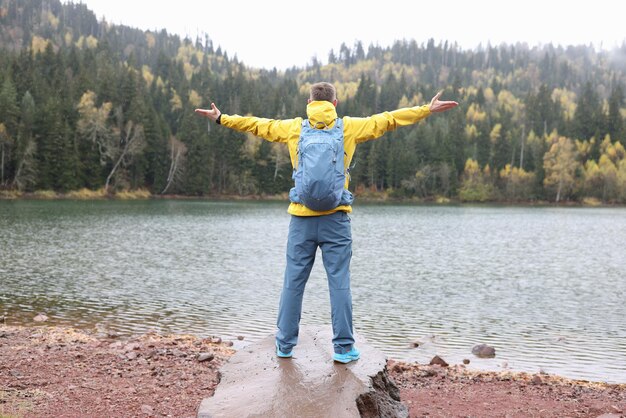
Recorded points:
(87,104)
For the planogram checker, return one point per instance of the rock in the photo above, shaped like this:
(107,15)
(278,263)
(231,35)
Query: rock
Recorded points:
(484,351)
(131,356)
(537,380)
(415,344)
(216,340)
(147,409)
(228,343)
(427,372)
(132,346)
(466,361)
(178,353)
(383,401)
(205,357)
(255,382)
(41,318)
(240,337)
(438,361)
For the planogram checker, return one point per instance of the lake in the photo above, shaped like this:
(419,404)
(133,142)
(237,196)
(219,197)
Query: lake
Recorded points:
(545,286)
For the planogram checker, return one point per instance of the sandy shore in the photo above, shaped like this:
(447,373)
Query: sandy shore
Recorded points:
(64,372)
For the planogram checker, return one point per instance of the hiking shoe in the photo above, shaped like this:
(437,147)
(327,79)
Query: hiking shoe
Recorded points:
(281,354)
(351,355)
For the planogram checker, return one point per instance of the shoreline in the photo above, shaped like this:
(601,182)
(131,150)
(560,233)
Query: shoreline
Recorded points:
(64,371)
(367,198)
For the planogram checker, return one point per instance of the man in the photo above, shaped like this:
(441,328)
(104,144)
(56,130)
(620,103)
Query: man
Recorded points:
(329,229)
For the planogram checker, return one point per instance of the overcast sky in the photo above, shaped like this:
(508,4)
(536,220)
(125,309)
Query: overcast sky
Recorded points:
(282,33)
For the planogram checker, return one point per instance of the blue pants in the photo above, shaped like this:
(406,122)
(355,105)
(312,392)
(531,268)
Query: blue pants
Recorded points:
(333,234)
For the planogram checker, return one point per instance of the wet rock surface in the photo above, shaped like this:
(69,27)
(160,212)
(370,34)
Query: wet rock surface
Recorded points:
(257,383)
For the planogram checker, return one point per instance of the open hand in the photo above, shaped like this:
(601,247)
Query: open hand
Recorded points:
(212,113)
(437,105)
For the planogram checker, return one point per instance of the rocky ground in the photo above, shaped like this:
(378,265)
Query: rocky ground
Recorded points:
(455,391)
(62,372)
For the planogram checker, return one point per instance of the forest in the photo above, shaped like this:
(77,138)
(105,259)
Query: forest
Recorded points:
(90,106)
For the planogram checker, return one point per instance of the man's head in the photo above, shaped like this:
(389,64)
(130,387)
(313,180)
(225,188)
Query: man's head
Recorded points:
(323,92)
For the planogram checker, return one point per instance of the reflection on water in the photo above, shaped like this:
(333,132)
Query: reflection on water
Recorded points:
(544,286)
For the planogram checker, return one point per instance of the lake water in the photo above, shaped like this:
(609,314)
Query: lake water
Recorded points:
(545,286)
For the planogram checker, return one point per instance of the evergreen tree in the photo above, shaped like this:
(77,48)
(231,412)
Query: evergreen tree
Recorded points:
(588,117)
(615,121)
(25,165)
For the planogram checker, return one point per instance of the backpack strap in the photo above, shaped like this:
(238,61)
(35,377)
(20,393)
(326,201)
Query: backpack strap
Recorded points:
(306,123)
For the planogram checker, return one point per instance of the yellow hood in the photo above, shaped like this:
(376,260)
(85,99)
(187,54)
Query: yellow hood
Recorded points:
(321,111)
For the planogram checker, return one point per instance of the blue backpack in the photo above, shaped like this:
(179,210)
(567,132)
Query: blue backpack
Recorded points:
(319,174)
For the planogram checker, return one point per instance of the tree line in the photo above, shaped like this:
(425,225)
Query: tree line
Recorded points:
(86,104)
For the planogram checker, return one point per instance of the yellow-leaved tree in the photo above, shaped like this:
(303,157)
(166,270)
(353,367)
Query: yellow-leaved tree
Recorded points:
(476,185)
(560,164)
(118,143)
(603,179)
(518,183)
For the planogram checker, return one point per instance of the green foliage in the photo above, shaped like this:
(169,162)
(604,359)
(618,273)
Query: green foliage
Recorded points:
(516,103)
(476,185)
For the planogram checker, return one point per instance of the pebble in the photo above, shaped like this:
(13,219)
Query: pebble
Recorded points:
(484,351)
(537,380)
(205,357)
(240,337)
(147,409)
(178,353)
(466,361)
(116,344)
(438,361)
(131,356)
(132,346)
(41,318)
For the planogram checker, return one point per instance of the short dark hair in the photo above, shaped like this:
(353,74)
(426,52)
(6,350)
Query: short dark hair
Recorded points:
(323,91)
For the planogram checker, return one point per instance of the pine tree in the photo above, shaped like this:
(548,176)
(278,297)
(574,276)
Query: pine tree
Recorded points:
(25,164)
(615,121)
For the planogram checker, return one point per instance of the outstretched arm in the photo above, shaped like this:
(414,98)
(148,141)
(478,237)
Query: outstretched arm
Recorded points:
(272,130)
(212,113)
(375,126)
(437,105)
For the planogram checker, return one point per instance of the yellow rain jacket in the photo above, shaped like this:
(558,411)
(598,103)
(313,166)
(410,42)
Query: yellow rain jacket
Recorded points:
(355,131)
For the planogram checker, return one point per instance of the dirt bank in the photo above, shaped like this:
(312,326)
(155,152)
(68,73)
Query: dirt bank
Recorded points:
(63,372)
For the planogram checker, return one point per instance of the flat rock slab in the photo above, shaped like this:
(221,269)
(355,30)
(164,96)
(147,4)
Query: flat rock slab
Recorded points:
(255,383)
